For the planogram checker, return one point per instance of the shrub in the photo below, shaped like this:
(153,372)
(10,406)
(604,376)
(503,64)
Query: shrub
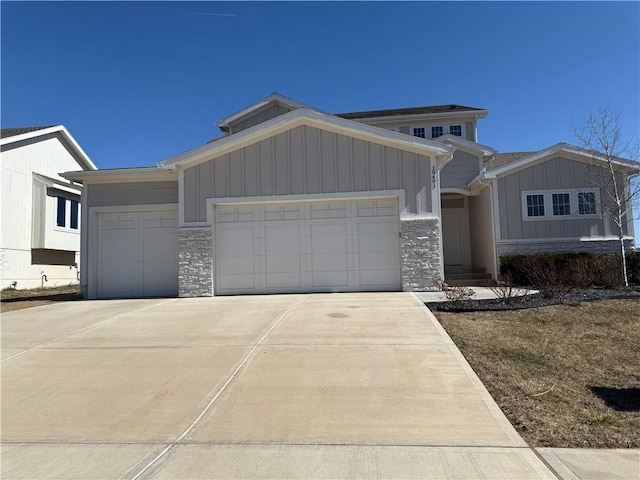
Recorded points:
(552,273)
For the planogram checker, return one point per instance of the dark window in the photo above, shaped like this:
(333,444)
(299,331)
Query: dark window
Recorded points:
(587,203)
(436,132)
(535,205)
(455,130)
(419,132)
(74,214)
(561,204)
(62,212)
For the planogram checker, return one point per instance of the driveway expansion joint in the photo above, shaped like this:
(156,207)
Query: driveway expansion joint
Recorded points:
(233,375)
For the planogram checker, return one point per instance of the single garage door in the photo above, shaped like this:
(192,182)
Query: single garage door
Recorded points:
(137,254)
(324,246)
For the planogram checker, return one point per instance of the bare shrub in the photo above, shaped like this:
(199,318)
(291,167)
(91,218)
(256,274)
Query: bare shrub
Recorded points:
(506,290)
(456,294)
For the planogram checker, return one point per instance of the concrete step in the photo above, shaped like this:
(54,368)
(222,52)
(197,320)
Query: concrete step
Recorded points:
(468,279)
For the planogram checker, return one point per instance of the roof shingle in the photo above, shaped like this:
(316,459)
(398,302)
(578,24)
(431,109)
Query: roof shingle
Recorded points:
(12,132)
(408,111)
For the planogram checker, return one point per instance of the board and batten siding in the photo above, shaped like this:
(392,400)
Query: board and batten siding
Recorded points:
(132,193)
(308,160)
(267,113)
(462,168)
(553,174)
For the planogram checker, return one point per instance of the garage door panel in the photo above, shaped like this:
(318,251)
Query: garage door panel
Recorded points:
(236,265)
(137,254)
(238,282)
(331,279)
(326,246)
(292,280)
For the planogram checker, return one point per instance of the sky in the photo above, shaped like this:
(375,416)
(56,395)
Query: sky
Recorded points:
(138,82)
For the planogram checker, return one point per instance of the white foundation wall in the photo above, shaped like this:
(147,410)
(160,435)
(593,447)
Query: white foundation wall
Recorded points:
(17,267)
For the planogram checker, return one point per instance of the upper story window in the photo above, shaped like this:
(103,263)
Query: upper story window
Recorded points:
(455,130)
(564,204)
(67,217)
(437,132)
(419,132)
(61,212)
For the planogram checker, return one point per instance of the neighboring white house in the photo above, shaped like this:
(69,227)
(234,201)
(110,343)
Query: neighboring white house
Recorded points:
(41,213)
(293,199)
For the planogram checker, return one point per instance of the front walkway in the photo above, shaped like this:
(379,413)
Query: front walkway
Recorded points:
(282,386)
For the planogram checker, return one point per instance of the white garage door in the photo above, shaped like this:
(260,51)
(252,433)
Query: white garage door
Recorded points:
(336,246)
(137,254)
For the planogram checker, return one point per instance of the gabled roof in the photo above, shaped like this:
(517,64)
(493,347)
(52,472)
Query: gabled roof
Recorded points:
(466,145)
(509,162)
(26,133)
(427,110)
(11,132)
(272,98)
(505,158)
(304,116)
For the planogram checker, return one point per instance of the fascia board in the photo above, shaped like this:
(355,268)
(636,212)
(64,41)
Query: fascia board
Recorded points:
(312,118)
(467,145)
(123,175)
(568,151)
(424,116)
(59,129)
(56,183)
(274,97)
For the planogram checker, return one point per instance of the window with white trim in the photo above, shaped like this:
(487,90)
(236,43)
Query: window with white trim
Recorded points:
(455,130)
(437,132)
(419,132)
(561,204)
(587,203)
(535,205)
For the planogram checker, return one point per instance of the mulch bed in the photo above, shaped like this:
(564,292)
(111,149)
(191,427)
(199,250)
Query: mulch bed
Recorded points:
(536,300)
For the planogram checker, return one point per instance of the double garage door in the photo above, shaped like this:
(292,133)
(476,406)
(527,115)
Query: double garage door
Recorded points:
(137,254)
(323,246)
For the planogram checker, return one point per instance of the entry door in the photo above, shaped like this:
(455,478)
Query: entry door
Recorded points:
(323,246)
(452,244)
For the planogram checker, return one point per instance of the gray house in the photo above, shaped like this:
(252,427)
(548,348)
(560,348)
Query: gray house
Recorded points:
(293,199)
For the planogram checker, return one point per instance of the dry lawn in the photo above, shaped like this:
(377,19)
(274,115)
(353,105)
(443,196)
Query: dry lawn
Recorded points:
(18,299)
(565,376)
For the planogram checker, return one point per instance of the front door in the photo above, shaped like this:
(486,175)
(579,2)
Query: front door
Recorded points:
(452,245)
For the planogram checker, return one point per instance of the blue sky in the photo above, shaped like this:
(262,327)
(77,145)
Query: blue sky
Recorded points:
(136,83)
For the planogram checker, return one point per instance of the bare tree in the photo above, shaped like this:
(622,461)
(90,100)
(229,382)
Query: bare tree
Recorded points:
(601,135)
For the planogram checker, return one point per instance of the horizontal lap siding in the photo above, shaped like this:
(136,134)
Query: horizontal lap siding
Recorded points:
(557,173)
(308,160)
(463,168)
(135,193)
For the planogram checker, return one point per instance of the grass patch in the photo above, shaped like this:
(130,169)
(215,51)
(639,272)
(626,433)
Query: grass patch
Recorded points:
(565,375)
(11,299)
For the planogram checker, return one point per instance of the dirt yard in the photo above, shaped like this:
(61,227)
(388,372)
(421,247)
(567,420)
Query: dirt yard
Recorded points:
(18,299)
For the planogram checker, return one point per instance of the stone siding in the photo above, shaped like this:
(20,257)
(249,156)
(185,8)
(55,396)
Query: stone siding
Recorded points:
(595,247)
(420,250)
(195,262)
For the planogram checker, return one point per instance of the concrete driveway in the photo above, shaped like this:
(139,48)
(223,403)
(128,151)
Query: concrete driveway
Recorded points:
(286,386)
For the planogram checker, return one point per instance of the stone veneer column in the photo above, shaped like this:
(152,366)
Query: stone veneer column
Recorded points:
(420,250)
(195,262)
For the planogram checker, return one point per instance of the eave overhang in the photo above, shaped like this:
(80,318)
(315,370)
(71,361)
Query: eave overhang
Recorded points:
(566,150)
(63,134)
(121,175)
(312,118)
(224,123)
